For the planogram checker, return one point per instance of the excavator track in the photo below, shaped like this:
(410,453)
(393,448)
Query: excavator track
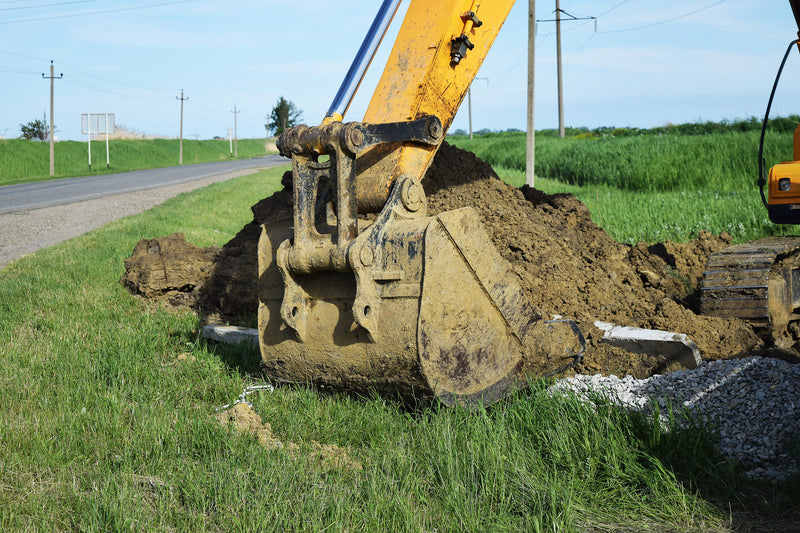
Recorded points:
(758,281)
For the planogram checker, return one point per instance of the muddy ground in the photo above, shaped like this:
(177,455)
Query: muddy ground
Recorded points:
(566,263)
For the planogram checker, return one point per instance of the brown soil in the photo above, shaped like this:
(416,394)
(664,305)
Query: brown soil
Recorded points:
(566,263)
(244,420)
(169,268)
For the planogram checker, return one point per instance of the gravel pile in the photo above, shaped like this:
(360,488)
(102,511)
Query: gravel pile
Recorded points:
(751,406)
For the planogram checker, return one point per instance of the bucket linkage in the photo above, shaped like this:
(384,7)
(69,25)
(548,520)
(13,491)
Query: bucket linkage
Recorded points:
(421,305)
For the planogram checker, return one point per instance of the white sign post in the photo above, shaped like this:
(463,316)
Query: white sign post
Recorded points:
(97,123)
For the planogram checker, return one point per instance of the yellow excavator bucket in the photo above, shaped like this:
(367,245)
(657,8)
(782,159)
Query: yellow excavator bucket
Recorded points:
(420,305)
(441,316)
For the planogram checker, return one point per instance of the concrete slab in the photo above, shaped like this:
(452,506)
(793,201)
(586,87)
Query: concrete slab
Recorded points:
(230,334)
(674,346)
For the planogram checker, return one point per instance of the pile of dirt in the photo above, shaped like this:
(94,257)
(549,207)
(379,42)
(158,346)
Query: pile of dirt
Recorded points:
(169,268)
(566,263)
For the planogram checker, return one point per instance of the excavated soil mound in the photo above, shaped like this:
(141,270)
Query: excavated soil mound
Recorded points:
(566,263)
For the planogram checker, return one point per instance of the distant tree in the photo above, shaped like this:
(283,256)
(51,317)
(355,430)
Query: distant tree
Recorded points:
(284,115)
(459,131)
(33,130)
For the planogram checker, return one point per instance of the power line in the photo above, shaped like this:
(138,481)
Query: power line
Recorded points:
(116,82)
(606,12)
(580,49)
(155,94)
(573,28)
(26,56)
(14,70)
(210,108)
(84,85)
(667,20)
(99,12)
(16,8)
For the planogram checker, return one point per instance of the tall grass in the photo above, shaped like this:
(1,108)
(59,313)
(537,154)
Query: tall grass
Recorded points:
(653,185)
(650,161)
(633,216)
(24,161)
(107,407)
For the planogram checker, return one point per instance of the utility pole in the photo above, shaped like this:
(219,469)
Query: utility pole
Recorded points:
(557,20)
(560,84)
(530,160)
(52,77)
(469,103)
(235,133)
(182,99)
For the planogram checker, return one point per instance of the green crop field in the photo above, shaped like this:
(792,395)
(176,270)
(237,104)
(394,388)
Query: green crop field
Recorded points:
(24,161)
(653,185)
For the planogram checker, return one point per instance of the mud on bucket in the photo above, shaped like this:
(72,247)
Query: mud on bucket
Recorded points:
(428,308)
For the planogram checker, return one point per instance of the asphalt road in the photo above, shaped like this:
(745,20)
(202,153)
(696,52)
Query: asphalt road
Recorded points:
(28,196)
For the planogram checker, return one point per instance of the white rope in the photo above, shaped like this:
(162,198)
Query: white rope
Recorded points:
(247,391)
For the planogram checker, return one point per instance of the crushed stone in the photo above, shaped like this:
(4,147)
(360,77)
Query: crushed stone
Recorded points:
(750,406)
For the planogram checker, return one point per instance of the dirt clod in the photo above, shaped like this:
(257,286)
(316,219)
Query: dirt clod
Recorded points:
(169,268)
(567,265)
(245,420)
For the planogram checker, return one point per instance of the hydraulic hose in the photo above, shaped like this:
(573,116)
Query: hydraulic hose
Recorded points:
(762,177)
(362,60)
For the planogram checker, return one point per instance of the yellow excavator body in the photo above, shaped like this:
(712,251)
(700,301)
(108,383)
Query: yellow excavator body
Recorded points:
(783,187)
(759,281)
(417,304)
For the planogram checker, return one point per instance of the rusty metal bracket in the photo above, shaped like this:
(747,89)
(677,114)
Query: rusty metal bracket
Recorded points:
(315,248)
(389,253)
(458,48)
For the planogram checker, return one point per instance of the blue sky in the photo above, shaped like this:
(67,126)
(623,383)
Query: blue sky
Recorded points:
(644,64)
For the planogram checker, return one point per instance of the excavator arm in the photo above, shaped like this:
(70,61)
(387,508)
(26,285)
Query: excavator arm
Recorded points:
(422,305)
(437,54)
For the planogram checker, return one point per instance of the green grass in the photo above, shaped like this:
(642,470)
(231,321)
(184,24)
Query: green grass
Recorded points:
(719,162)
(24,161)
(653,185)
(633,216)
(104,426)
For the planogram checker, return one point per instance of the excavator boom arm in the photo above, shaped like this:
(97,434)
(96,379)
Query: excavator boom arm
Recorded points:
(437,53)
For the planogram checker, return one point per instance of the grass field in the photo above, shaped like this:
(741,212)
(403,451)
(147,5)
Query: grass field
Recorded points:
(24,161)
(632,216)
(108,403)
(107,406)
(653,185)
